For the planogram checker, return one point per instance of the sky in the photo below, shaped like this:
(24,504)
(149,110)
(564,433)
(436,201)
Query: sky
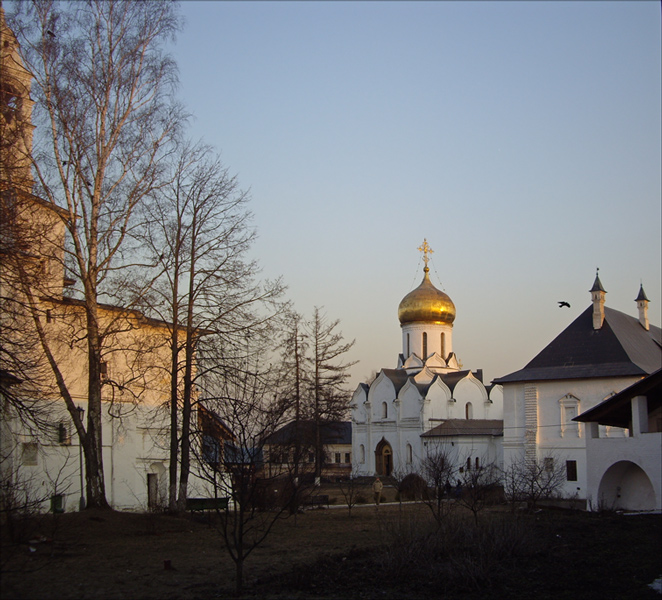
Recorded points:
(521,139)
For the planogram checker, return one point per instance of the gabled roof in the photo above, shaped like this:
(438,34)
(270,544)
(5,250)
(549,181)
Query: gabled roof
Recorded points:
(458,427)
(621,347)
(616,410)
(332,432)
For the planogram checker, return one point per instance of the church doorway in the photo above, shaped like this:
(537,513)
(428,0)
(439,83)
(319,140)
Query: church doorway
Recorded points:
(384,459)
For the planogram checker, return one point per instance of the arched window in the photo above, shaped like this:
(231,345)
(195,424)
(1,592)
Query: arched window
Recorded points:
(408,349)
(443,345)
(409,454)
(384,410)
(362,453)
(469,411)
(477,463)
(468,463)
(425,345)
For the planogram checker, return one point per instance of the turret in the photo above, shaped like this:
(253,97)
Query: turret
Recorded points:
(598,298)
(642,304)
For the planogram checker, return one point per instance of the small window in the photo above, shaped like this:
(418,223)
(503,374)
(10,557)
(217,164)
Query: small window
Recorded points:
(409,454)
(347,458)
(337,457)
(63,435)
(468,463)
(425,346)
(384,410)
(477,463)
(469,411)
(571,470)
(362,453)
(548,464)
(29,454)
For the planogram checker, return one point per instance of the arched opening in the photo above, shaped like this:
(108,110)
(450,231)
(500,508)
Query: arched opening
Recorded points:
(408,348)
(410,454)
(384,459)
(384,410)
(468,411)
(362,454)
(425,345)
(443,346)
(625,485)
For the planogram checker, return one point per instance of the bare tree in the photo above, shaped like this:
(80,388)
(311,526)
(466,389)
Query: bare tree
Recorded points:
(351,488)
(531,481)
(438,469)
(480,486)
(243,401)
(198,233)
(106,115)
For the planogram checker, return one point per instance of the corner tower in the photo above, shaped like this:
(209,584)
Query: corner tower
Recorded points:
(426,317)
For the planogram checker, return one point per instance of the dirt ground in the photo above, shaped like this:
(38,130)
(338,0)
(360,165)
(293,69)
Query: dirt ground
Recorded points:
(323,553)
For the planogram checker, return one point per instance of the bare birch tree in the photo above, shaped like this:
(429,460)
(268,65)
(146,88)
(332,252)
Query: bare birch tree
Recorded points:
(105,118)
(198,232)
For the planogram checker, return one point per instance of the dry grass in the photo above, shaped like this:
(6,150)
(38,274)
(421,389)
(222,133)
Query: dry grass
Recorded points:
(391,553)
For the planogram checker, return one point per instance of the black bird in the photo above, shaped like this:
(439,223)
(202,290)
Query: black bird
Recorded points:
(49,32)
(562,304)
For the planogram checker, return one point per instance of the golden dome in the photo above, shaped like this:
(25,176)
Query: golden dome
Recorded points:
(426,303)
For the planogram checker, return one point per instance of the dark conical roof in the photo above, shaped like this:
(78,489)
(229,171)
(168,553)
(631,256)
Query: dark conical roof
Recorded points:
(642,295)
(597,285)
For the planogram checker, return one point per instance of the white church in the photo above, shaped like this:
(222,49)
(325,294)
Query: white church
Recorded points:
(428,401)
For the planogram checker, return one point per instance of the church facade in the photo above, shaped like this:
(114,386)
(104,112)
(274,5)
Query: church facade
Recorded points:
(428,403)
(602,352)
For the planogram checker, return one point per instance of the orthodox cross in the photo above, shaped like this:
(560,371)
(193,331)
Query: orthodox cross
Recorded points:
(425,249)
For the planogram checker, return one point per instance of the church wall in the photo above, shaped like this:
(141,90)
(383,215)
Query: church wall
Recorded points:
(555,434)
(470,390)
(412,339)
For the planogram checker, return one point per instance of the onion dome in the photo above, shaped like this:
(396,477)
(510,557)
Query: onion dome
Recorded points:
(426,303)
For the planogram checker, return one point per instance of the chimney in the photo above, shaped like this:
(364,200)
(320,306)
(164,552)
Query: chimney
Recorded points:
(642,305)
(598,298)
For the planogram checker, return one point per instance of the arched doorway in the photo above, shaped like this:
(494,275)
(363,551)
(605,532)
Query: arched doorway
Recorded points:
(625,485)
(384,459)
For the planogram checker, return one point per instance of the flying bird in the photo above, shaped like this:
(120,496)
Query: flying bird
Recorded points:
(562,304)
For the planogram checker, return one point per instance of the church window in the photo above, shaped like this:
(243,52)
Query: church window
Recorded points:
(362,453)
(443,345)
(468,463)
(337,457)
(384,410)
(425,345)
(569,405)
(477,463)
(347,458)
(408,348)
(409,454)
(469,411)
(571,470)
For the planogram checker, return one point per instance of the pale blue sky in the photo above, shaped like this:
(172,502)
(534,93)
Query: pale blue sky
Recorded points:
(521,139)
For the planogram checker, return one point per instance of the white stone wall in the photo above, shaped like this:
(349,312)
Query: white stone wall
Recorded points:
(542,424)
